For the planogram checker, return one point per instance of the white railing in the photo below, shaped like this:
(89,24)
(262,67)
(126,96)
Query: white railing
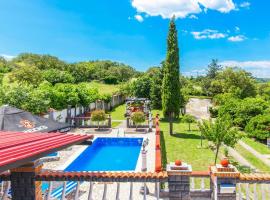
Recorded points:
(253,191)
(101,190)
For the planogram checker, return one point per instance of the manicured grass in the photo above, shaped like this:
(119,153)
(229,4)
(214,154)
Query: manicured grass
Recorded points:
(115,124)
(118,112)
(104,88)
(261,148)
(185,145)
(252,159)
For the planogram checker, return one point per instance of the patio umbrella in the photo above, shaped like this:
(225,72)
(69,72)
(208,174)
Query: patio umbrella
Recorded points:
(14,119)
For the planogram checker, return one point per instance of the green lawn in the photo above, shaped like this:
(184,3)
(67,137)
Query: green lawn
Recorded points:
(261,148)
(115,124)
(252,159)
(104,88)
(118,112)
(185,145)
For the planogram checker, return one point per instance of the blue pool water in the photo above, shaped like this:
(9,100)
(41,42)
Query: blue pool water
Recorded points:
(109,154)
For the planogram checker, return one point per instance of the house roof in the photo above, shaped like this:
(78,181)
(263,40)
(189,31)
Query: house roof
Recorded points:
(18,148)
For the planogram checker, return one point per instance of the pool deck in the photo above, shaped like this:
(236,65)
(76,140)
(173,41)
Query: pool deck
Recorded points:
(67,156)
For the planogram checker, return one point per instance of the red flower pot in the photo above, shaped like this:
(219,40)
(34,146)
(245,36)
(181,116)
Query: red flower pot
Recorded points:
(178,162)
(225,162)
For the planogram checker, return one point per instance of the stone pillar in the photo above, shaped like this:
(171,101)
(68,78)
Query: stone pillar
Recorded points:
(224,182)
(68,120)
(110,121)
(179,181)
(23,184)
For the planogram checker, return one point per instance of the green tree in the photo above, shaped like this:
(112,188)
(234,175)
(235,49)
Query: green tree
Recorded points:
(30,75)
(188,119)
(213,69)
(57,76)
(141,87)
(220,132)
(87,94)
(42,62)
(156,86)
(37,102)
(98,116)
(138,118)
(259,127)
(171,96)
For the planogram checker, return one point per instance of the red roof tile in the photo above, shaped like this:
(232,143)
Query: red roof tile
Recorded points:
(101,176)
(17,148)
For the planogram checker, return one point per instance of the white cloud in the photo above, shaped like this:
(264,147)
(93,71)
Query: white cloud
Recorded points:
(259,68)
(139,18)
(7,57)
(208,34)
(237,38)
(237,29)
(193,17)
(245,4)
(223,6)
(181,8)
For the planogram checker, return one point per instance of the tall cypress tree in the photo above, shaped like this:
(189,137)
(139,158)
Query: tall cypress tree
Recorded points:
(171,96)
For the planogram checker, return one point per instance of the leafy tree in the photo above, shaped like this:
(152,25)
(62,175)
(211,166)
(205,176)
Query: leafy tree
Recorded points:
(82,72)
(98,116)
(141,87)
(248,108)
(213,69)
(264,90)
(188,119)
(259,127)
(138,118)
(42,62)
(171,96)
(30,75)
(220,132)
(37,102)
(86,94)
(16,95)
(155,88)
(241,111)
(4,67)
(57,76)
(64,95)
(238,82)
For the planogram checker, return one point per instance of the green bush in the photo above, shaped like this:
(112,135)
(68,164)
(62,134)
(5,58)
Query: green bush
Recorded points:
(98,116)
(259,127)
(138,118)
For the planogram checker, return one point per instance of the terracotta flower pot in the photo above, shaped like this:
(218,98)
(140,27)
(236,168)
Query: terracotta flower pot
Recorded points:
(178,162)
(225,162)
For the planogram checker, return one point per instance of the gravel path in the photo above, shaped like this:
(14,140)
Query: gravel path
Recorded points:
(239,158)
(255,153)
(199,108)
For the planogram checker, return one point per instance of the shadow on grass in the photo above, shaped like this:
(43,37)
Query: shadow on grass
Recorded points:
(186,136)
(163,150)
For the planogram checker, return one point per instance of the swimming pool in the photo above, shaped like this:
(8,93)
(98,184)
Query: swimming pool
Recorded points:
(109,154)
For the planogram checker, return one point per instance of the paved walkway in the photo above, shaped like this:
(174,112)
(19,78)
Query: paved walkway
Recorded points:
(255,153)
(239,158)
(199,108)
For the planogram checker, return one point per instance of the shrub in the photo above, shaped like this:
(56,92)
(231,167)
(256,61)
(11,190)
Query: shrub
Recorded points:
(138,118)
(98,116)
(188,119)
(259,127)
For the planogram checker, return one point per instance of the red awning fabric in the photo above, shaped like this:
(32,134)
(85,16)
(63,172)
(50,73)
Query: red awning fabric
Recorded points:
(18,148)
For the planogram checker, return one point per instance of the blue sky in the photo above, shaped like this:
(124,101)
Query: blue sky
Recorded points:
(237,32)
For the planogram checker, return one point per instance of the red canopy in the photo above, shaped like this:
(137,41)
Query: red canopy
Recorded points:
(18,148)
